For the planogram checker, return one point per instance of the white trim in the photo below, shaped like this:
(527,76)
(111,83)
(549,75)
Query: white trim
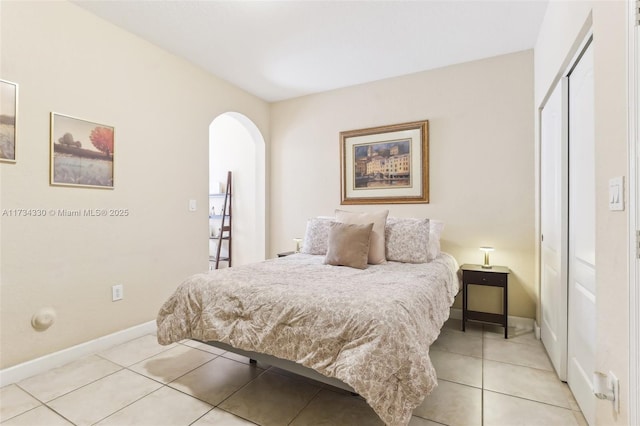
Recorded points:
(633,58)
(47,362)
(520,323)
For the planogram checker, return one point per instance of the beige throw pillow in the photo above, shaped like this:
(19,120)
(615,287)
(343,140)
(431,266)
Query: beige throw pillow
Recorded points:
(379,220)
(348,245)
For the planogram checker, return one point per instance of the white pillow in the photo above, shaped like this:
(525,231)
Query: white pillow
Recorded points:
(407,240)
(379,220)
(316,236)
(435,230)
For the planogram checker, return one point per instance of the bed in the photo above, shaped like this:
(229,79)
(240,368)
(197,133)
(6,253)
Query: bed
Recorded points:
(369,329)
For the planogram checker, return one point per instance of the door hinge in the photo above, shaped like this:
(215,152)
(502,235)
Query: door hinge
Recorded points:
(637,13)
(638,244)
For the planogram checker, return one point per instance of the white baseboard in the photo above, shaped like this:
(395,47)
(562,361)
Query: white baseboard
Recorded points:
(47,362)
(536,330)
(520,323)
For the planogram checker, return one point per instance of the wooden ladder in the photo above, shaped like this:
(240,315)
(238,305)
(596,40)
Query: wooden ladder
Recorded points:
(225,226)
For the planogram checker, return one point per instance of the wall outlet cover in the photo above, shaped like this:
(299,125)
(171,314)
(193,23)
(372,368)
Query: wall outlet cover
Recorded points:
(117,292)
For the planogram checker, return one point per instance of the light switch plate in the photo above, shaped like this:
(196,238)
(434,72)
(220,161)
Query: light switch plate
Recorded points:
(192,205)
(616,193)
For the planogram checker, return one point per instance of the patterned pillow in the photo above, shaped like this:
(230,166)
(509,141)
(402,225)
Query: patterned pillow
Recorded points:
(407,240)
(316,237)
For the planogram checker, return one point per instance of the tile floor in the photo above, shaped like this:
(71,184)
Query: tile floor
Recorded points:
(483,380)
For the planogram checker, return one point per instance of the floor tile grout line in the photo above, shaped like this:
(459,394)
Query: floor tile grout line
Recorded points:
(238,390)
(29,393)
(24,412)
(429,420)
(526,366)
(305,406)
(199,418)
(182,375)
(237,415)
(74,389)
(162,385)
(60,414)
(128,405)
(121,408)
(229,396)
(542,370)
(532,400)
(218,408)
(150,378)
(458,383)
(166,348)
(451,352)
(168,384)
(250,381)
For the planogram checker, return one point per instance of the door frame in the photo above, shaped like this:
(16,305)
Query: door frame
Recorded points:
(634,209)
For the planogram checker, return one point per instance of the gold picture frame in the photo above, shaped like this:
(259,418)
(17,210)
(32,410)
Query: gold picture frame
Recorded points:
(81,152)
(8,120)
(385,165)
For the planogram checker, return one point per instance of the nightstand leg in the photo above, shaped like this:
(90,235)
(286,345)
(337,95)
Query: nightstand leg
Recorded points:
(464,306)
(506,311)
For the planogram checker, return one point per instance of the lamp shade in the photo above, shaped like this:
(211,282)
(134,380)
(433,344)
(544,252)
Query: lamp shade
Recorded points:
(486,251)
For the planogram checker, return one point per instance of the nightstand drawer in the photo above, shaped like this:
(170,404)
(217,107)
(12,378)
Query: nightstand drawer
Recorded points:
(483,278)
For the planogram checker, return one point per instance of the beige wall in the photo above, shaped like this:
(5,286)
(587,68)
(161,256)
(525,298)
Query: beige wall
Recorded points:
(481,161)
(68,61)
(562,28)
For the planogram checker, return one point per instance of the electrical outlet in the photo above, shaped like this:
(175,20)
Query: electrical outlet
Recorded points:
(117,292)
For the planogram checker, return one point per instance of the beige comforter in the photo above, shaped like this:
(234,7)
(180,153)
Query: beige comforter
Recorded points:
(370,328)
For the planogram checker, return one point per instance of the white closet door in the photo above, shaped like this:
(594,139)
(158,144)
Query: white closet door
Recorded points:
(553,221)
(582,268)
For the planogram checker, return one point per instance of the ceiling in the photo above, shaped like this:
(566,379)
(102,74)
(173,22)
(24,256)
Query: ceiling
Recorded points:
(278,50)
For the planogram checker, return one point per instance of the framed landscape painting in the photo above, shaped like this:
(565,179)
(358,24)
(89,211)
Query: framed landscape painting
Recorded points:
(81,152)
(385,165)
(8,120)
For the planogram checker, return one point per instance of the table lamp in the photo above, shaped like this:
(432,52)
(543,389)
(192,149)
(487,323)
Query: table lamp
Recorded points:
(486,251)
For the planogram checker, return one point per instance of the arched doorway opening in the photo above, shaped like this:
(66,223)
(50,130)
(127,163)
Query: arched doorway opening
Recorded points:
(236,145)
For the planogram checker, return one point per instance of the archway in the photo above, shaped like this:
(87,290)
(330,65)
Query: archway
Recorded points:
(236,145)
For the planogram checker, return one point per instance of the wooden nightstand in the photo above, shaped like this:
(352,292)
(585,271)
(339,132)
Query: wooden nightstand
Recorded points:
(286,253)
(496,276)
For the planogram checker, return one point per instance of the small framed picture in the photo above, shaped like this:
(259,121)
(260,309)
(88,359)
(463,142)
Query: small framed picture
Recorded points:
(385,165)
(81,152)
(8,120)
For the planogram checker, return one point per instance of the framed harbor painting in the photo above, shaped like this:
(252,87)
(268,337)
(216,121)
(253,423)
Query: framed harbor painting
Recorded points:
(385,165)
(81,152)
(8,120)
